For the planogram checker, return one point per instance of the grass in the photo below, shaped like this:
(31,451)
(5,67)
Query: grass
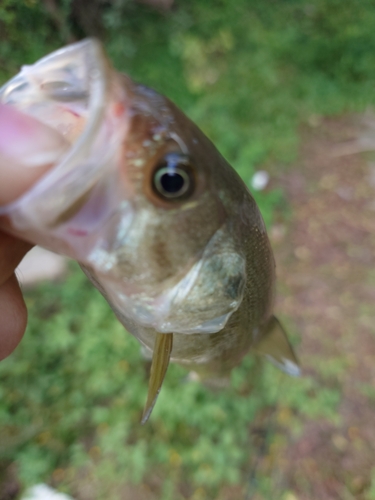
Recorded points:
(73,392)
(71,395)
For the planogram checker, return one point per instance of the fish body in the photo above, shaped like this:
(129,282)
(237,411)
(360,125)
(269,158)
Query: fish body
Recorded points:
(201,267)
(159,221)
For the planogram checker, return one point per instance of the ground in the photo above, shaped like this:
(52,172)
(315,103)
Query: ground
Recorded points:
(325,259)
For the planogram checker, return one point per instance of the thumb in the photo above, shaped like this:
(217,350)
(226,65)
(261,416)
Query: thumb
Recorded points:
(28,148)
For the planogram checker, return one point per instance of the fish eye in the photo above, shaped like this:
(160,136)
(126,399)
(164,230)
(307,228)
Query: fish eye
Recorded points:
(173,178)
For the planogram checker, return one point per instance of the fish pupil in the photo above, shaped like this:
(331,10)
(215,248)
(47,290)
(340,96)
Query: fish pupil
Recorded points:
(172,183)
(173,179)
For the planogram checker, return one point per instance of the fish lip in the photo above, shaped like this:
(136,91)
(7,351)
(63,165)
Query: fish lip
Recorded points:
(97,65)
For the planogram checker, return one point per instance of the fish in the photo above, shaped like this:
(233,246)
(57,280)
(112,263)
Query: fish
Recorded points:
(159,221)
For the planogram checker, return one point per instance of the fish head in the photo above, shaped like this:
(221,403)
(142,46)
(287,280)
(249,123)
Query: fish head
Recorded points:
(141,198)
(174,209)
(174,247)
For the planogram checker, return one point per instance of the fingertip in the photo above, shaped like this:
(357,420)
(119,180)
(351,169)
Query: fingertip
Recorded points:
(12,251)
(13,316)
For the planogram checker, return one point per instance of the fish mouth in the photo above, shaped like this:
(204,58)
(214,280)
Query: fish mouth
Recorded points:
(76,92)
(65,90)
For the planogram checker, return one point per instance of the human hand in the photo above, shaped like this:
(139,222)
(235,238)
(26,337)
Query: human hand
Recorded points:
(27,150)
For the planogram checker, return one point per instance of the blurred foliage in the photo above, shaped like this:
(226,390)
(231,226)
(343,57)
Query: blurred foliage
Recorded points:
(71,396)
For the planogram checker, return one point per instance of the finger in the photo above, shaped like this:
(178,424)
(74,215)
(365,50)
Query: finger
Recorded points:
(12,252)
(28,148)
(13,316)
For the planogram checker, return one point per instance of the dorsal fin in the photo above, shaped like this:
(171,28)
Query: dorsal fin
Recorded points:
(274,344)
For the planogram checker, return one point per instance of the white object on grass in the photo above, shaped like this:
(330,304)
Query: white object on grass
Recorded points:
(44,492)
(260,180)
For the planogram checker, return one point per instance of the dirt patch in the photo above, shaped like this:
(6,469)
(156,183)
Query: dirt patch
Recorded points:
(326,271)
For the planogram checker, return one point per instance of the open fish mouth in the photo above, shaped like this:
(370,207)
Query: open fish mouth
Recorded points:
(76,92)
(65,90)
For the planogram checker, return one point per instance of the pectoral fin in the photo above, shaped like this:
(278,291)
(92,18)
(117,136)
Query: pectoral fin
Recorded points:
(160,361)
(275,345)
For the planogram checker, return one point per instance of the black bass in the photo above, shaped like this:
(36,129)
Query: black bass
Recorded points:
(159,221)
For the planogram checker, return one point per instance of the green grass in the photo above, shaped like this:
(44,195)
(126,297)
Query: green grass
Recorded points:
(71,395)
